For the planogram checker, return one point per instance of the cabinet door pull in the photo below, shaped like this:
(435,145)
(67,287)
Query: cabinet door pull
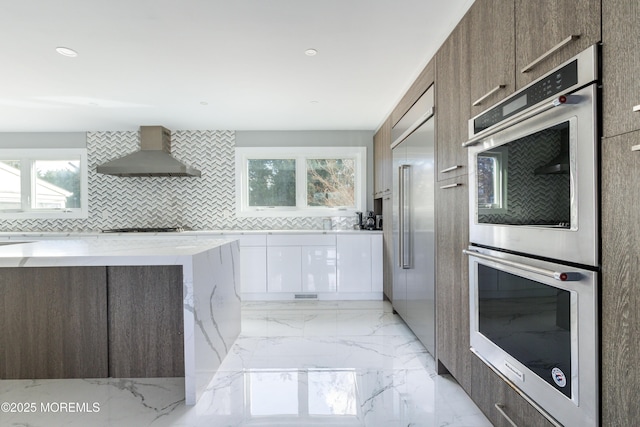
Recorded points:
(636,109)
(550,52)
(500,409)
(452,168)
(635,148)
(457,184)
(488,94)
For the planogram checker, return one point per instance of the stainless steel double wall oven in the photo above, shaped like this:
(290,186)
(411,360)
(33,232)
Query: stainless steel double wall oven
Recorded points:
(533,254)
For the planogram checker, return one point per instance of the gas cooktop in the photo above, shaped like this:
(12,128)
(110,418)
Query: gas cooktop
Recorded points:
(145,230)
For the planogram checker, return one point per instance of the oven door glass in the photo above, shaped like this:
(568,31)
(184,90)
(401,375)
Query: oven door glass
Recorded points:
(529,320)
(527,181)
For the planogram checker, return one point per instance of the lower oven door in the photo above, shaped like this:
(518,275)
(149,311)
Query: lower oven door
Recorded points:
(535,324)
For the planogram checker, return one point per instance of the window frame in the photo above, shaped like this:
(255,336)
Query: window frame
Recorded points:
(27,158)
(300,154)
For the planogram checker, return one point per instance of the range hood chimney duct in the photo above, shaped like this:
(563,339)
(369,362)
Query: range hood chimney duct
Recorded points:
(153,159)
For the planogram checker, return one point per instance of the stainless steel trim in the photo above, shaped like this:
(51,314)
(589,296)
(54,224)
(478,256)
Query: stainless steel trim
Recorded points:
(636,108)
(550,52)
(452,168)
(423,118)
(557,275)
(500,409)
(457,184)
(512,121)
(487,95)
(406,254)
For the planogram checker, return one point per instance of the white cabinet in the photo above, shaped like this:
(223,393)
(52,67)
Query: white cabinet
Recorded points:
(377,263)
(359,263)
(329,266)
(284,269)
(253,262)
(301,263)
(253,277)
(318,268)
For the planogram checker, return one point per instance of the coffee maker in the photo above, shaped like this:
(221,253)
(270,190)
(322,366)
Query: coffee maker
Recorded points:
(370,222)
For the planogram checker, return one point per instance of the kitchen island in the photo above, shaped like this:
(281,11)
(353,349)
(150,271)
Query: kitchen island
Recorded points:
(106,281)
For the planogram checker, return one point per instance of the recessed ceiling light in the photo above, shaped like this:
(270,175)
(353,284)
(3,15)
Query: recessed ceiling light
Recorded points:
(314,102)
(310,52)
(65,51)
(204,103)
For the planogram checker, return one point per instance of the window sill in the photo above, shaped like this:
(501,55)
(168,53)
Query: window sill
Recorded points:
(274,213)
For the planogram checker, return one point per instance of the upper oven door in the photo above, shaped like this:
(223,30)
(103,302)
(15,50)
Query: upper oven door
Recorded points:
(534,184)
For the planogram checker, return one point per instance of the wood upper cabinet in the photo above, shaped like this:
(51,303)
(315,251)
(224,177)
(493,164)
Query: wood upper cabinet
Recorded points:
(491,52)
(53,322)
(620,293)
(419,86)
(452,279)
(146,321)
(382,177)
(544,29)
(453,103)
(620,66)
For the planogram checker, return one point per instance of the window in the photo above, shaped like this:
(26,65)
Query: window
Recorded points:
(300,181)
(43,183)
(492,181)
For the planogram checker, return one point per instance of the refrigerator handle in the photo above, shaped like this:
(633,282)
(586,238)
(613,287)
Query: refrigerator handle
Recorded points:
(401,216)
(405,211)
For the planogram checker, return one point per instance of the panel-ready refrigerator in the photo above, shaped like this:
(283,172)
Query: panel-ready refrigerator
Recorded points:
(414,219)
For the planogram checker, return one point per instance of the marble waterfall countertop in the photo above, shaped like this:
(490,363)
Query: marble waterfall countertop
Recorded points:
(35,235)
(67,251)
(211,286)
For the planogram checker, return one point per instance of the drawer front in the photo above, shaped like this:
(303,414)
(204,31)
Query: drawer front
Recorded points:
(249,239)
(301,240)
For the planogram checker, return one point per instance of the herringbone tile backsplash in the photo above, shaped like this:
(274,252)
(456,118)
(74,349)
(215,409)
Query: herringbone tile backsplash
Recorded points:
(200,203)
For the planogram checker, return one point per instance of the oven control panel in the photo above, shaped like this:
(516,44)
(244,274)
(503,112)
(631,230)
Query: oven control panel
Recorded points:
(554,83)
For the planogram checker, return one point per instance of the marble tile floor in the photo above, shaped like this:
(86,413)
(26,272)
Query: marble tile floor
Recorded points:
(303,363)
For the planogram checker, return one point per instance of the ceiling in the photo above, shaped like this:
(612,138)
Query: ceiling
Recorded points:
(214,64)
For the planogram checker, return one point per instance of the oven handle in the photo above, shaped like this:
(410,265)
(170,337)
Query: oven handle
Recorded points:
(562,276)
(561,100)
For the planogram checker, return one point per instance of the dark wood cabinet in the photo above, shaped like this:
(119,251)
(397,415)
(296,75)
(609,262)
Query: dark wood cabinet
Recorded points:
(145,321)
(453,104)
(382,160)
(491,53)
(499,401)
(91,322)
(544,28)
(620,292)
(452,279)
(620,66)
(53,322)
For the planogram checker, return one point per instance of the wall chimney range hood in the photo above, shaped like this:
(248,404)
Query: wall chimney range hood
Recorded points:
(153,159)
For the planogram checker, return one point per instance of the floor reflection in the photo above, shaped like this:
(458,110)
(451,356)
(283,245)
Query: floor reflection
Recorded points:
(295,364)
